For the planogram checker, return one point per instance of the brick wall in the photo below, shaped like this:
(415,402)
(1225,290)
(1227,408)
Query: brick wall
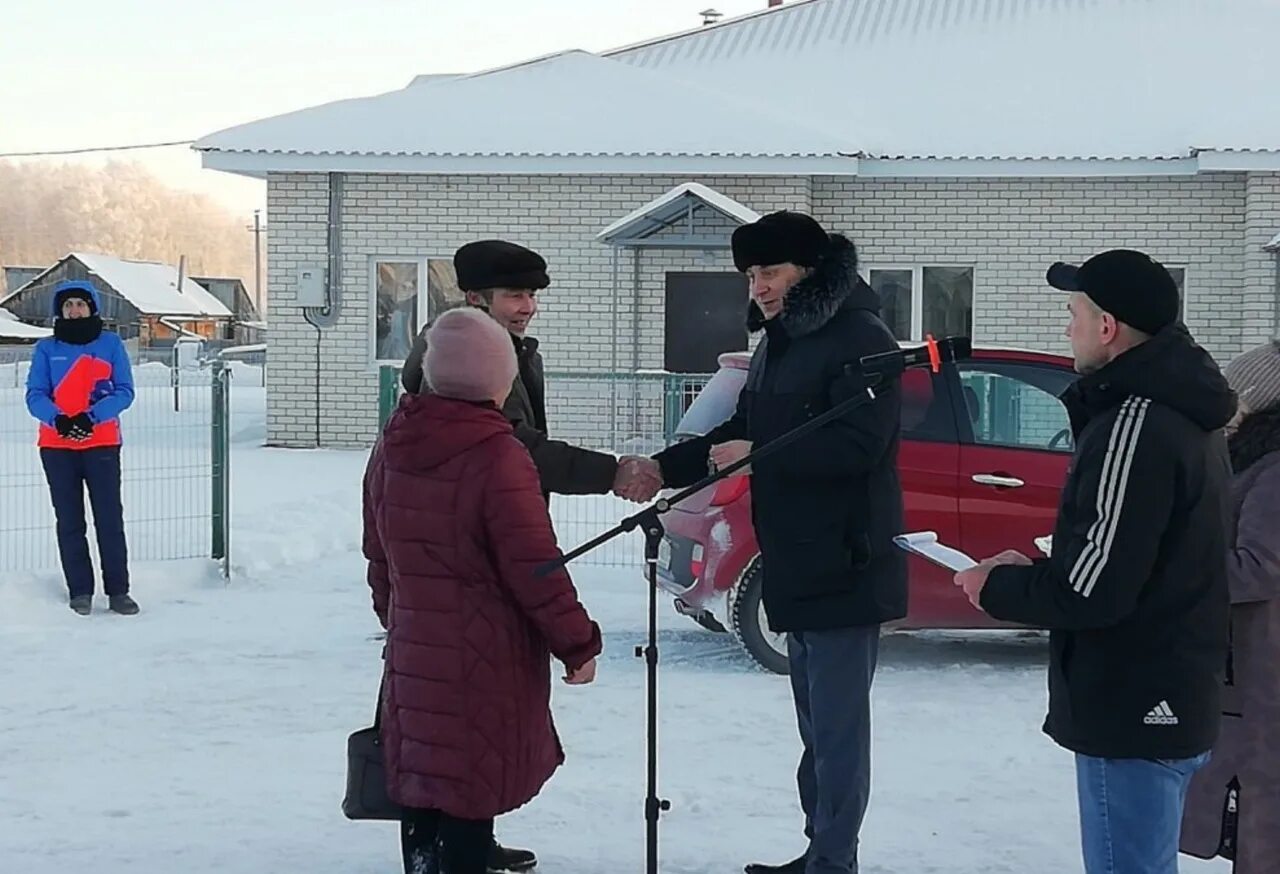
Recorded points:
(420,216)
(1009,230)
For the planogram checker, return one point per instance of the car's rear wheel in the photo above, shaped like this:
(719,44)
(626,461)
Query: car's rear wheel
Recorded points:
(751,626)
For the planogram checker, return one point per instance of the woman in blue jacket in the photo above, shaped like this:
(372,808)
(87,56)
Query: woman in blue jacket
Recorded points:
(80,381)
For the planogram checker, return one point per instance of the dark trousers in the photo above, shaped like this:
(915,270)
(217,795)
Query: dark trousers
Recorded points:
(432,842)
(831,674)
(69,472)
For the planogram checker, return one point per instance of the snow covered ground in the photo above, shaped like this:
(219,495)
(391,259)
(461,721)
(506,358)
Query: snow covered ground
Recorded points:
(208,733)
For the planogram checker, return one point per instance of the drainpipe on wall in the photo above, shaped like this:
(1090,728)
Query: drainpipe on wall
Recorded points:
(1276,327)
(325,318)
(1274,248)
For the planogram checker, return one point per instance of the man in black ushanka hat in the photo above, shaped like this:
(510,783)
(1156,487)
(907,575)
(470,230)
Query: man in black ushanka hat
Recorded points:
(825,509)
(504,279)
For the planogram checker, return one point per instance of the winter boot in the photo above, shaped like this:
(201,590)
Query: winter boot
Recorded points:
(122,604)
(505,859)
(423,860)
(82,604)
(795,866)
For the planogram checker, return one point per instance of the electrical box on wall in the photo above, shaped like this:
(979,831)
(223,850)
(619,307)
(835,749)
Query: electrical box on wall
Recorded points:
(311,284)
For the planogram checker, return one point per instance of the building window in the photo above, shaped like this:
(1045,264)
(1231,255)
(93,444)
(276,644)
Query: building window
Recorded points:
(920,300)
(400,308)
(396,303)
(442,287)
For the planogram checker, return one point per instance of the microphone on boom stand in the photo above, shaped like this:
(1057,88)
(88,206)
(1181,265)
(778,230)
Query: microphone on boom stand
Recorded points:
(866,374)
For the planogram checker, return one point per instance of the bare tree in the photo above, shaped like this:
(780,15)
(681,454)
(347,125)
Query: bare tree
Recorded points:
(49,210)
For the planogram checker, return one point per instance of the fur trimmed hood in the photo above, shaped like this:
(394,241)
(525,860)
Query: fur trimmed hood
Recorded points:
(813,301)
(1257,437)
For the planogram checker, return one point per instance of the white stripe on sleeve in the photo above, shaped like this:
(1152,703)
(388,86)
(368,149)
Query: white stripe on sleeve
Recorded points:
(1112,486)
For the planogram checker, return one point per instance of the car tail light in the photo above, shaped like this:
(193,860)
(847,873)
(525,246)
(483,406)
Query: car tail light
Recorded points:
(696,564)
(729,490)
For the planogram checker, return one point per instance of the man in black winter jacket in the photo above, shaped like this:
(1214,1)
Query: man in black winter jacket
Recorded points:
(1135,593)
(825,509)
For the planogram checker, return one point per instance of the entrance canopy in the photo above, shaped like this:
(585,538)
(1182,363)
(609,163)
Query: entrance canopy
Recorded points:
(689,216)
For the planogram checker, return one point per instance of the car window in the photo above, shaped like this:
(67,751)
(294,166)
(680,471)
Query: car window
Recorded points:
(1017,405)
(926,409)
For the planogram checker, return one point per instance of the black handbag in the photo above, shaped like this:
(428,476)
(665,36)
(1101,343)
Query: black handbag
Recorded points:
(366,796)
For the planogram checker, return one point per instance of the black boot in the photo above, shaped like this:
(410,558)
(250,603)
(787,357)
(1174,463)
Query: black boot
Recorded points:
(504,859)
(795,866)
(122,604)
(422,860)
(82,604)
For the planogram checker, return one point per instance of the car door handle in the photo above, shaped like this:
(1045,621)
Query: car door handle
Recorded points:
(992,479)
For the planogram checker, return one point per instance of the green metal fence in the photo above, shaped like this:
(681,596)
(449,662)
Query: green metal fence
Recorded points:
(642,390)
(220,467)
(621,413)
(175,463)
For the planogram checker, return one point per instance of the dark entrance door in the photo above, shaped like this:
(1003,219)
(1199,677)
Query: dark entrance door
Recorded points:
(706,316)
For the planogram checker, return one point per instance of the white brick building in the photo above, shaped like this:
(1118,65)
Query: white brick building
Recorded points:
(985,154)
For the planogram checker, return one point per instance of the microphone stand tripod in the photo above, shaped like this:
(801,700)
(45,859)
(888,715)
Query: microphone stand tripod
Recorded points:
(648,521)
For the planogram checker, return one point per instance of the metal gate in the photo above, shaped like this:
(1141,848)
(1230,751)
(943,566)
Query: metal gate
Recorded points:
(175,463)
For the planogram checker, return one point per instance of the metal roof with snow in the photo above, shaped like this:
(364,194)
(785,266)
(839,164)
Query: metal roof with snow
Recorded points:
(151,287)
(573,105)
(1022,87)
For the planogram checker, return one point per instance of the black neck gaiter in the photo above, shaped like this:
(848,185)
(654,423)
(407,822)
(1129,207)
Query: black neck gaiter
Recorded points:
(78,331)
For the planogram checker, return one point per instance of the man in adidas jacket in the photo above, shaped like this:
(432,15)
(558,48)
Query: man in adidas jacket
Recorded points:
(1135,593)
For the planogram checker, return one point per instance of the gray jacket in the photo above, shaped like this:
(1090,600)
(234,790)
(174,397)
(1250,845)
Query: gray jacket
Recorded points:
(1247,754)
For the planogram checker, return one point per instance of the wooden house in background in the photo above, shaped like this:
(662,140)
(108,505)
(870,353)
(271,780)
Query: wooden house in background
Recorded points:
(141,300)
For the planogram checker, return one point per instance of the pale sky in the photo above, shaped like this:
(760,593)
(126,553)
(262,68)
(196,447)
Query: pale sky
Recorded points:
(87,73)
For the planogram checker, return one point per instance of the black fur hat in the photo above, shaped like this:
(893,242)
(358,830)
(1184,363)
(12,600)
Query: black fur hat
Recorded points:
(778,238)
(499,264)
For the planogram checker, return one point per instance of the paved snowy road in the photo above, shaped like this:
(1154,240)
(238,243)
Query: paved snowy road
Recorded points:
(208,733)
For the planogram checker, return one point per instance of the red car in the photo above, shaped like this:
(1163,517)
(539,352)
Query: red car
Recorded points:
(984,453)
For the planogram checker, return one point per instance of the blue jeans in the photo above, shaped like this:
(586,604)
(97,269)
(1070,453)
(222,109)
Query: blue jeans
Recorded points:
(1131,812)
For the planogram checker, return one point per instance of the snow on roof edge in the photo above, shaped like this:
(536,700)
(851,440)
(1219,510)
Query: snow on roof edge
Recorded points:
(710,196)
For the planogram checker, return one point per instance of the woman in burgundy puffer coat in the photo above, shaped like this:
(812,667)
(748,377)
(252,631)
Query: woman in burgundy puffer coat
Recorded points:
(454,526)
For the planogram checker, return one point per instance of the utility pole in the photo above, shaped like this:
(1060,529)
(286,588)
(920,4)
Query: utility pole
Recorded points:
(257,229)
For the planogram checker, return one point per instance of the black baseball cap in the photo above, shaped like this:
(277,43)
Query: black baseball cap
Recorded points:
(1134,287)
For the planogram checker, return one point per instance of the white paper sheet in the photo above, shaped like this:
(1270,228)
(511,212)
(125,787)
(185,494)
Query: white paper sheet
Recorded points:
(925,544)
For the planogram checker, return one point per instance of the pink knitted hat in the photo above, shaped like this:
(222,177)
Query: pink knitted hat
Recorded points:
(469,357)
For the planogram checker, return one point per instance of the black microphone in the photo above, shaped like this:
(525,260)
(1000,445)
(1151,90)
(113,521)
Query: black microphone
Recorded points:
(932,355)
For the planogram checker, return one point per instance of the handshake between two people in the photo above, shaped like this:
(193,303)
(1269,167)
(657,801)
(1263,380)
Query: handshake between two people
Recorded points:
(639,479)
